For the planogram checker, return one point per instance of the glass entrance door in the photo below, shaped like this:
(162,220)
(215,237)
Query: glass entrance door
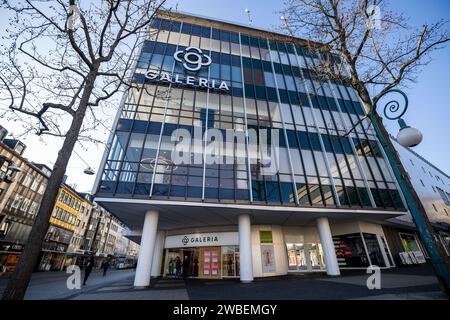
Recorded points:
(305,256)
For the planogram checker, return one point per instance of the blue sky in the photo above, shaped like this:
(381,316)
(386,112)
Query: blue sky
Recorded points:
(429,106)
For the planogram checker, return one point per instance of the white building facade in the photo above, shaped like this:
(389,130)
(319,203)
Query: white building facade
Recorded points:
(433,188)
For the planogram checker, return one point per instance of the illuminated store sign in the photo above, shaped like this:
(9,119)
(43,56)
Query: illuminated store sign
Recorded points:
(193,59)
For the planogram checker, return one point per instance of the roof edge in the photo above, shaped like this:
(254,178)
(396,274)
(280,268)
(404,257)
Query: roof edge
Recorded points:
(181,14)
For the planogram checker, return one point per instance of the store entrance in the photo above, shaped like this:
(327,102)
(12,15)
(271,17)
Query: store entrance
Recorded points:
(189,262)
(305,257)
(203,262)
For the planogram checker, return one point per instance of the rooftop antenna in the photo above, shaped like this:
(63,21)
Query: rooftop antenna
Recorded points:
(247,11)
(285,25)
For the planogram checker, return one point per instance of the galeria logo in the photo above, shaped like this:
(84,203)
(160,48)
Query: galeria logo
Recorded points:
(192,58)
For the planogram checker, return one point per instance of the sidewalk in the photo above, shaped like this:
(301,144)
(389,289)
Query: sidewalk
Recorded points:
(160,289)
(414,283)
(52,285)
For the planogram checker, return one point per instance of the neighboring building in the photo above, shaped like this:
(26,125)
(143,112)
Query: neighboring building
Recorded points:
(112,236)
(433,188)
(77,225)
(76,252)
(63,222)
(322,207)
(21,193)
(96,223)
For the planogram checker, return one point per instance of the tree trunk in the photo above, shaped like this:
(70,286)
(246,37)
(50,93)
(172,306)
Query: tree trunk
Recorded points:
(417,202)
(20,278)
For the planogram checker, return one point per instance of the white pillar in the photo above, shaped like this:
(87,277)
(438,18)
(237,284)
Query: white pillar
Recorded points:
(329,252)
(158,254)
(148,239)
(245,248)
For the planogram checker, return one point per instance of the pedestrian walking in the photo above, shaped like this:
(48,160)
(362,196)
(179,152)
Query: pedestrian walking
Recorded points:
(105,266)
(89,265)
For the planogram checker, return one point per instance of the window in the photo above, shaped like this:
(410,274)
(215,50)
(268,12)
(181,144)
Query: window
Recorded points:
(42,188)
(25,205)
(423,184)
(410,242)
(33,208)
(27,180)
(34,185)
(412,163)
(350,250)
(59,213)
(4,228)
(444,196)
(434,207)
(17,201)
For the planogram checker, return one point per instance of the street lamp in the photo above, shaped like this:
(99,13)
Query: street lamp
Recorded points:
(409,137)
(89,171)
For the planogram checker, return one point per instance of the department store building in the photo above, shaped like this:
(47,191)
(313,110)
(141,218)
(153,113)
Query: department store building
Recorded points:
(189,191)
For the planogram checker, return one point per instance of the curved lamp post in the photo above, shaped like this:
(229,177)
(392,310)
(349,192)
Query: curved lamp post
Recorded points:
(409,137)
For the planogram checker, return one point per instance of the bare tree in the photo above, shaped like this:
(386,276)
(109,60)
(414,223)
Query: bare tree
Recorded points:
(372,49)
(61,63)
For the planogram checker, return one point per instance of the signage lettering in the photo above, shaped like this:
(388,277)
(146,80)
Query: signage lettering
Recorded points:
(189,80)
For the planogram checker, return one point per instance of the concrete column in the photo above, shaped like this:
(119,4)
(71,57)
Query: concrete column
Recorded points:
(158,254)
(245,248)
(329,252)
(143,269)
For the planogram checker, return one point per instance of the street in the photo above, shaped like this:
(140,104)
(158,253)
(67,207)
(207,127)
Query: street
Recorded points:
(413,283)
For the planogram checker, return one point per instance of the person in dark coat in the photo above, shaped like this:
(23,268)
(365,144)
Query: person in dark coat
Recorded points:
(177,267)
(105,266)
(88,266)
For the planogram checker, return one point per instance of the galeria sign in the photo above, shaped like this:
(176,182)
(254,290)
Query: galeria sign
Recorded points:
(192,59)
(188,80)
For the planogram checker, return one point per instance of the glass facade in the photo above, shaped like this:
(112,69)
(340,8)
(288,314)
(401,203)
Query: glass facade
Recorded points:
(272,86)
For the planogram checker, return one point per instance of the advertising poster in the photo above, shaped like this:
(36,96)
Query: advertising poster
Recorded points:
(207,257)
(268,258)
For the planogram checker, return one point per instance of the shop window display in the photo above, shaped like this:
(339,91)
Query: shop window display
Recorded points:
(374,250)
(350,251)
